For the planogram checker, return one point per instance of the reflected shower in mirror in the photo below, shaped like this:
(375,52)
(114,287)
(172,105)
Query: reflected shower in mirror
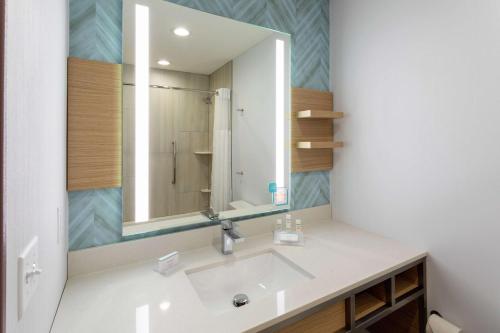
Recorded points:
(205,117)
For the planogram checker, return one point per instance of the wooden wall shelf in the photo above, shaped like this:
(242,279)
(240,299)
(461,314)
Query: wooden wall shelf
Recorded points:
(319,114)
(319,145)
(312,130)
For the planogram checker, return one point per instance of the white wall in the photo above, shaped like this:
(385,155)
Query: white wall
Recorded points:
(35,152)
(419,82)
(254,130)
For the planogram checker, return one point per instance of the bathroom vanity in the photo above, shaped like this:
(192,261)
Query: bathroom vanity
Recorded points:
(392,303)
(343,279)
(198,127)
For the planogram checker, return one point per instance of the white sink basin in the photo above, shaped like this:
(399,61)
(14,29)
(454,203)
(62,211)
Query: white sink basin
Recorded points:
(258,275)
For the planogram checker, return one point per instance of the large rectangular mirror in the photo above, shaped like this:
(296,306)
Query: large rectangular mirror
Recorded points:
(206,104)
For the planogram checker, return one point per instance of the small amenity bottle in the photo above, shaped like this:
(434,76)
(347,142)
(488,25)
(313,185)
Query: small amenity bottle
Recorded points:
(288,222)
(278,228)
(299,231)
(279,225)
(298,225)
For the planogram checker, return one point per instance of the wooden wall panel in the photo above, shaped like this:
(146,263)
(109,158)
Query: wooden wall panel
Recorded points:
(314,130)
(94,125)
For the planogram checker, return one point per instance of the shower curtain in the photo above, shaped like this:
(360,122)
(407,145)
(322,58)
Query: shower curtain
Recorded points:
(221,152)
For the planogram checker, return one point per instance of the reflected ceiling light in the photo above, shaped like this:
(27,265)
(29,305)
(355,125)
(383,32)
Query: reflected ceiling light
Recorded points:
(182,32)
(163,62)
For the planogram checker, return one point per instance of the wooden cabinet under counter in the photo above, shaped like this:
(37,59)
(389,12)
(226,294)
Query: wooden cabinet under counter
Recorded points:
(329,319)
(395,302)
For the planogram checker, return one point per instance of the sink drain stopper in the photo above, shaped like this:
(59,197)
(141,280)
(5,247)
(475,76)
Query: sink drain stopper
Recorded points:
(240,300)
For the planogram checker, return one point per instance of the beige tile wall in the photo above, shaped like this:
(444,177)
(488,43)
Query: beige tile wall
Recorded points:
(221,78)
(179,116)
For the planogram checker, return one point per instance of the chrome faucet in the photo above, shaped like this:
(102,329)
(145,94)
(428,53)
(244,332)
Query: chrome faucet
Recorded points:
(210,214)
(229,236)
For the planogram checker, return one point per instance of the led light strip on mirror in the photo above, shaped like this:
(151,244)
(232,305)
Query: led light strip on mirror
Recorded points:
(142,113)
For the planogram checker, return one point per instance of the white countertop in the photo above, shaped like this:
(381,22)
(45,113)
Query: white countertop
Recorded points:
(136,299)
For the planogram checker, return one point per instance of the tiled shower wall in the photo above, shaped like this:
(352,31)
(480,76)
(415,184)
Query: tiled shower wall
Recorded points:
(96,33)
(175,116)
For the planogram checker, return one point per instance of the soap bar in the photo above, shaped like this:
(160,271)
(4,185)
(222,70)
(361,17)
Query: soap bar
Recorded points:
(167,262)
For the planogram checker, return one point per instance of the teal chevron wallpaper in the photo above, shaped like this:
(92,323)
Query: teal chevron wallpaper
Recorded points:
(96,33)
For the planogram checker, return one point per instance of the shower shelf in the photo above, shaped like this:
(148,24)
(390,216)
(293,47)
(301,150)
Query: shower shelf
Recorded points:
(206,190)
(203,153)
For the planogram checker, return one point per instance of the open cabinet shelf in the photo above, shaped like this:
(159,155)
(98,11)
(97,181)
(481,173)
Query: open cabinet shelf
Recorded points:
(319,114)
(404,286)
(407,282)
(367,303)
(371,300)
(319,145)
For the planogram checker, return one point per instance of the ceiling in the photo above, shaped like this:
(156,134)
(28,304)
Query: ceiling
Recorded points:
(213,41)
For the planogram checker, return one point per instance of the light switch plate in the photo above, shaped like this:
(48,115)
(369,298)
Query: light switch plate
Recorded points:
(27,287)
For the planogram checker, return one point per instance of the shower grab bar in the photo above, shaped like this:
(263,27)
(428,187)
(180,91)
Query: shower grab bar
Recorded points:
(174,150)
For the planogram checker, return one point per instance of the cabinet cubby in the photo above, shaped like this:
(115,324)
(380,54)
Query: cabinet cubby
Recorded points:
(408,282)
(372,300)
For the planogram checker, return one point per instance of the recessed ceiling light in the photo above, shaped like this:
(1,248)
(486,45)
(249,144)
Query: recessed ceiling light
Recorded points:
(182,32)
(163,62)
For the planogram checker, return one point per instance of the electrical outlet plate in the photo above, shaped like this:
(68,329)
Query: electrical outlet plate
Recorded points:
(27,288)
